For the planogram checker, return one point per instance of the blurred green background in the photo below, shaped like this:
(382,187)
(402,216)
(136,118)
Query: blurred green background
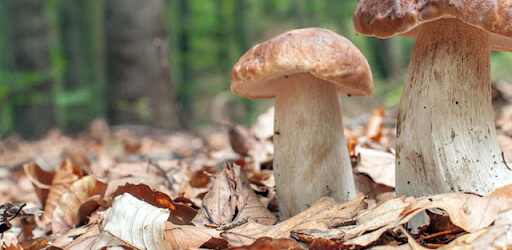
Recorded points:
(161,63)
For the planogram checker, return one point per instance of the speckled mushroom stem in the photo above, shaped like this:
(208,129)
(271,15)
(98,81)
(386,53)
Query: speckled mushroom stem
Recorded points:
(310,157)
(446,138)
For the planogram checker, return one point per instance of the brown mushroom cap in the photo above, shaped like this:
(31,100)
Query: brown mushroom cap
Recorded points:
(319,52)
(385,18)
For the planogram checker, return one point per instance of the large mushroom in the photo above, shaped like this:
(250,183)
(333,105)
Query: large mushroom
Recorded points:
(446,137)
(305,70)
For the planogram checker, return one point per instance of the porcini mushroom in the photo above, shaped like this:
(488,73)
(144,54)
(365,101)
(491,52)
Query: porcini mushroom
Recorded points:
(305,70)
(446,137)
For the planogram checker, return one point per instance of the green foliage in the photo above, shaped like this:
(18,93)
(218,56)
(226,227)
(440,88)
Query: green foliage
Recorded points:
(206,37)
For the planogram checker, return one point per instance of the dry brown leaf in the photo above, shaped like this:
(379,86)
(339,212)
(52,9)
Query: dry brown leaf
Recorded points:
(379,165)
(322,244)
(215,243)
(497,236)
(66,214)
(319,216)
(231,199)
(266,243)
(63,240)
(505,191)
(186,236)
(199,179)
(375,124)
(12,247)
(240,139)
(134,223)
(86,240)
(467,211)
(64,177)
(180,213)
(78,157)
(376,221)
(41,180)
(309,235)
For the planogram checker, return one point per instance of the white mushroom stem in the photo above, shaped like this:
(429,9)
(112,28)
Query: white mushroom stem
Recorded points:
(446,137)
(310,157)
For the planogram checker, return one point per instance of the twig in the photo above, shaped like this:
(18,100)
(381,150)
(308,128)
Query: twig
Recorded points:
(449,231)
(233,224)
(228,226)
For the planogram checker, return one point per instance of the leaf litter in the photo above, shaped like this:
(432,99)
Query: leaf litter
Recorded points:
(123,189)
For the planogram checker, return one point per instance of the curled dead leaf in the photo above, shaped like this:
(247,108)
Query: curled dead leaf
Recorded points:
(319,216)
(134,223)
(181,214)
(67,211)
(186,236)
(497,236)
(64,177)
(309,235)
(231,199)
(41,180)
(379,165)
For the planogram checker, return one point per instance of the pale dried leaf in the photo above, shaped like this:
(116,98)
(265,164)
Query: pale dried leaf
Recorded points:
(505,191)
(467,211)
(63,240)
(231,195)
(377,221)
(41,180)
(318,216)
(185,236)
(134,223)
(180,213)
(497,236)
(65,176)
(66,213)
(379,165)
(309,235)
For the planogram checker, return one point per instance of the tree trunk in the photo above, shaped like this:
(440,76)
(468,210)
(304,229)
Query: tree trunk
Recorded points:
(139,91)
(186,88)
(243,42)
(31,46)
(82,39)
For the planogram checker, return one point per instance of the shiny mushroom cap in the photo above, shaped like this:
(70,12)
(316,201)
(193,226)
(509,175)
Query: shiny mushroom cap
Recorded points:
(386,18)
(319,52)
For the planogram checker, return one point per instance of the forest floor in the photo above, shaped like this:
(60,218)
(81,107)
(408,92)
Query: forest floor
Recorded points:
(137,188)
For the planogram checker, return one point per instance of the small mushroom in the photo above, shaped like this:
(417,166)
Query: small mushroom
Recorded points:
(446,136)
(305,70)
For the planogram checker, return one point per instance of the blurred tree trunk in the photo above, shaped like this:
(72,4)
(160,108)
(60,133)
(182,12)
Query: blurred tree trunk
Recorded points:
(300,14)
(240,11)
(82,37)
(241,25)
(186,87)
(387,57)
(139,88)
(30,40)
(222,34)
